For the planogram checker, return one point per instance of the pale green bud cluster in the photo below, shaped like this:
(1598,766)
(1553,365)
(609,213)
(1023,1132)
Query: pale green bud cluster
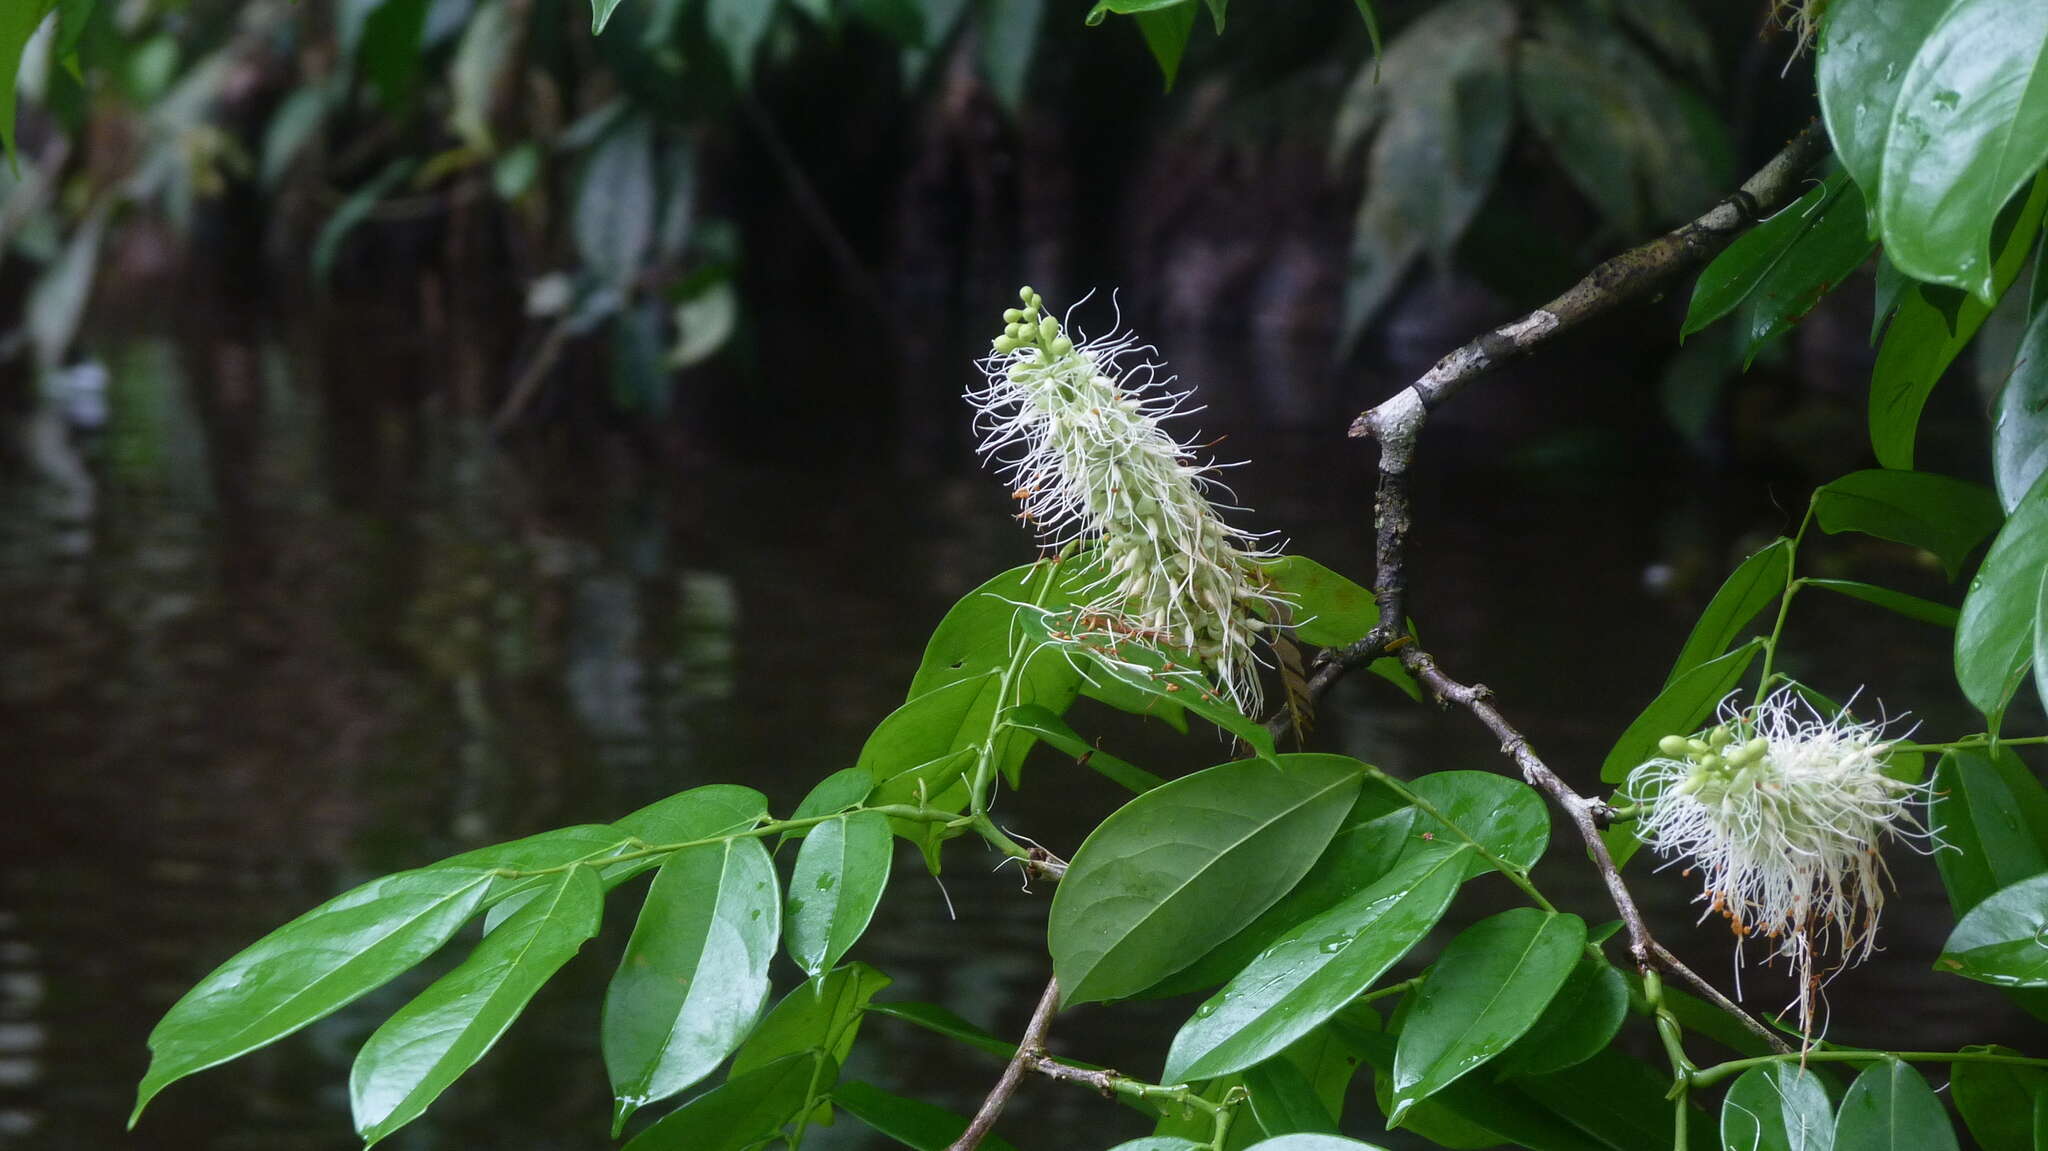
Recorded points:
(1027,327)
(1720,762)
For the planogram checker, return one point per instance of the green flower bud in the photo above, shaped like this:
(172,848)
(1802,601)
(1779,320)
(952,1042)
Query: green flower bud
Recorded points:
(1672,745)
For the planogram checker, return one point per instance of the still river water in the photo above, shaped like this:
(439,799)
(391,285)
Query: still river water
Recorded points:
(276,625)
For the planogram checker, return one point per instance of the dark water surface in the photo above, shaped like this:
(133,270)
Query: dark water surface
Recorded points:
(279,626)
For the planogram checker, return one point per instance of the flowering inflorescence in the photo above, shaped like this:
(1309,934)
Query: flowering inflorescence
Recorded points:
(1783,810)
(1077,431)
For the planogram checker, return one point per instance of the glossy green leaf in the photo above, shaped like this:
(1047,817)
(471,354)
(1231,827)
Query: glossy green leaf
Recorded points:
(1372,30)
(1316,968)
(1161,1143)
(2019,433)
(1166,29)
(976,633)
(2003,940)
(1997,1101)
(1968,130)
(309,968)
(1891,1108)
(1056,732)
(1743,265)
(907,750)
(1995,634)
(840,874)
(1778,1107)
(1183,866)
(1993,815)
(1505,816)
(1924,337)
(695,972)
(1485,991)
(1910,606)
(1154,674)
(1284,1101)
(1680,708)
(1865,49)
(1379,827)
(910,1122)
(1583,1017)
(823,1013)
(742,1113)
(847,787)
(2041,637)
(1754,585)
(427,1044)
(1944,515)
(601,14)
(1829,253)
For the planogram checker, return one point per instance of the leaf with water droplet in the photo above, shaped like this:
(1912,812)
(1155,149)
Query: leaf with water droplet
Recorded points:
(846,861)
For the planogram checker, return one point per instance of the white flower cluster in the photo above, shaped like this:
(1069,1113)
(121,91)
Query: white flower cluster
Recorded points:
(1078,434)
(1783,810)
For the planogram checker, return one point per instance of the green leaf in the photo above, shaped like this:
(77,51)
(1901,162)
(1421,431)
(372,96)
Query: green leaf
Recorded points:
(1505,816)
(289,130)
(1910,606)
(1284,1101)
(1993,815)
(390,49)
(706,812)
(917,753)
(1829,253)
(1485,991)
(2019,433)
(601,14)
(1744,264)
(1778,1107)
(309,968)
(840,874)
(1616,1098)
(1316,968)
(1166,30)
(1183,866)
(1924,338)
(2041,637)
(738,27)
(1755,584)
(442,1032)
(823,1013)
(1865,48)
(2003,940)
(1995,634)
(1152,673)
(1161,1143)
(1969,129)
(695,972)
(847,787)
(1946,516)
(1581,1020)
(1056,732)
(1998,1101)
(741,1113)
(1474,1113)
(1372,31)
(1680,708)
(942,1021)
(18,23)
(1379,827)
(1891,1108)
(909,1122)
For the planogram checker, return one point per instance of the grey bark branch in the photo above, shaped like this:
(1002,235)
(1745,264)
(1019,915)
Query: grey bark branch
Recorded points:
(1030,1053)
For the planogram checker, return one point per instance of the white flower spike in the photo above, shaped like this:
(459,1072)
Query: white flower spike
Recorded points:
(1078,434)
(1783,810)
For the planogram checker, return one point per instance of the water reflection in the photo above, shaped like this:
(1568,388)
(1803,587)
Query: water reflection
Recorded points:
(275,626)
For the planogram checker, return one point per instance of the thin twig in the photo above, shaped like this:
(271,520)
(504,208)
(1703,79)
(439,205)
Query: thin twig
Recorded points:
(1030,1049)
